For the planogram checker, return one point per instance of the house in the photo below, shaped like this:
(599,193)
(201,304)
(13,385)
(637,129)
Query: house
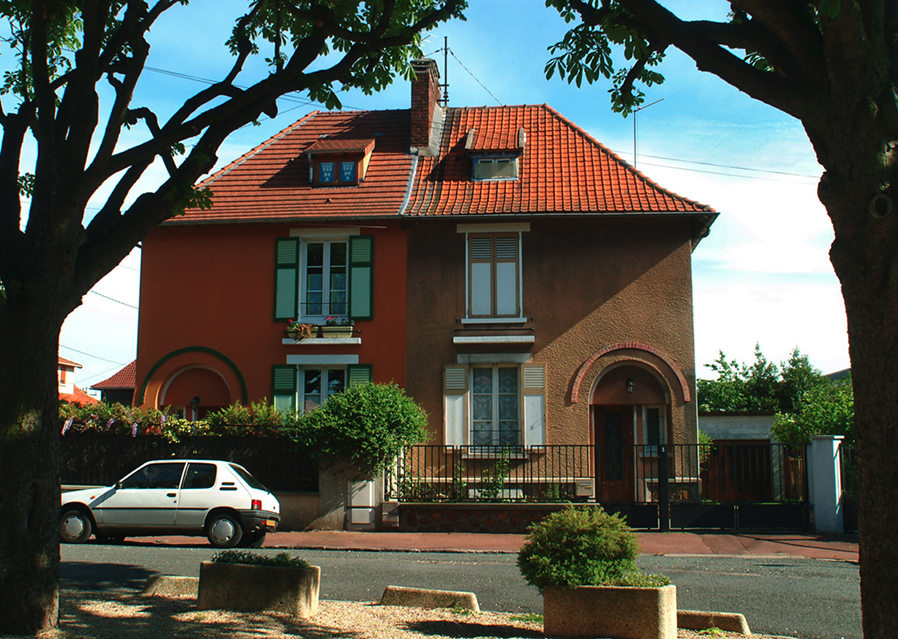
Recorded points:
(68,392)
(523,283)
(120,387)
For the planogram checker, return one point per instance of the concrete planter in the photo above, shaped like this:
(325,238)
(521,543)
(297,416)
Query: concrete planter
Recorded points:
(250,588)
(610,611)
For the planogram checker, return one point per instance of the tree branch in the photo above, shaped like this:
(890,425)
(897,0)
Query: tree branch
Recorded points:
(767,87)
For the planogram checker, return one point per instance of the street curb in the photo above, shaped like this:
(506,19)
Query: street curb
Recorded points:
(425,598)
(700,620)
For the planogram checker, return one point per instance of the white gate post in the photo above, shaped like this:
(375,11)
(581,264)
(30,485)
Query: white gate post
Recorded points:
(825,482)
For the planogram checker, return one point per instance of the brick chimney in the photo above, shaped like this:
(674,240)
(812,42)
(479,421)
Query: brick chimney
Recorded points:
(425,93)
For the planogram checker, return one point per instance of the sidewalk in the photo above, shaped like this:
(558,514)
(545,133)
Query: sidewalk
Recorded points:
(839,548)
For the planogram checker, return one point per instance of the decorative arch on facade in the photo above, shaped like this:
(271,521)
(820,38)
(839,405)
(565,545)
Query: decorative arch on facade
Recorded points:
(604,366)
(166,370)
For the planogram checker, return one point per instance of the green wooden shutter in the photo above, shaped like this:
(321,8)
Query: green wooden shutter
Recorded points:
(358,374)
(283,386)
(286,278)
(361,276)
(455,394)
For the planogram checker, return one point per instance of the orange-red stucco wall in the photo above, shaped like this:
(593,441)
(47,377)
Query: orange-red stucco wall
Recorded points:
(207,301)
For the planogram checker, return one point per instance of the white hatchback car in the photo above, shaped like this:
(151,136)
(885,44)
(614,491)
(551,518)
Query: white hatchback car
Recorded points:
(218,499)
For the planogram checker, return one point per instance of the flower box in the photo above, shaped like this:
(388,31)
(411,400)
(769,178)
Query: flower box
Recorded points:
(621,612)
(336,331)
(250,588)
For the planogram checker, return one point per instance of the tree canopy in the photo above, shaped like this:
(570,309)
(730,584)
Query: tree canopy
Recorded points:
(72,69)
(806,402)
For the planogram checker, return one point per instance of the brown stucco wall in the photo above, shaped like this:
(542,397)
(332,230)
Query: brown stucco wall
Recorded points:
(588,283)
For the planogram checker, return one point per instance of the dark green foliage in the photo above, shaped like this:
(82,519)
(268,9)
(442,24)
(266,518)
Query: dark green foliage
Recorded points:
(282,559)
(578,546)
(367,426)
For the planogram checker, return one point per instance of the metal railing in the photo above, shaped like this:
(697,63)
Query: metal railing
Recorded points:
(761,472)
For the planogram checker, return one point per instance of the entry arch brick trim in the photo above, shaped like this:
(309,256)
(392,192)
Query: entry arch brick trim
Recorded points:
(584,368)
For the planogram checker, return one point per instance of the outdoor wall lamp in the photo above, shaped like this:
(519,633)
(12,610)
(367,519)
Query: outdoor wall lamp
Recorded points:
(629,385)
(195,402)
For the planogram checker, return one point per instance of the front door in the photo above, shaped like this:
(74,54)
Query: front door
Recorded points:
(614,453)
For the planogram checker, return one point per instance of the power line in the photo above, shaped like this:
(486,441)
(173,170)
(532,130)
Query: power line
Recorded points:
(112,299)
(102,359)
(728,166)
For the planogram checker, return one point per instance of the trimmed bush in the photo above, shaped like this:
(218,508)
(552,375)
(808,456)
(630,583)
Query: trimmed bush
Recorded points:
(367,425)
(582,546)
(281,559)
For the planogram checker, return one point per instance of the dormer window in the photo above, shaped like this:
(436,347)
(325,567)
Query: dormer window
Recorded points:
(339,162)
(495,156)
(492,168)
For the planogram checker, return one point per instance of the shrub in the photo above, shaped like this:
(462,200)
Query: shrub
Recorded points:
(282,559)
(367,425)
(581,546)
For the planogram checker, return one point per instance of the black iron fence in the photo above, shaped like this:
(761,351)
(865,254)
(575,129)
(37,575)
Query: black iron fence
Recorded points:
(731,473)
(100,459)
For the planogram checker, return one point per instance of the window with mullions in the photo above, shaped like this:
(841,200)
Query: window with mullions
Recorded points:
(325,281)
(494,264)
(317,384)
(495,406)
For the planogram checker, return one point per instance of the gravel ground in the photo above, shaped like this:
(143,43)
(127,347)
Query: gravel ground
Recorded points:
(128,615)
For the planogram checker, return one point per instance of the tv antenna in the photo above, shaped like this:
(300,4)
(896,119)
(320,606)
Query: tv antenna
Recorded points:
(444,102)
(635,111)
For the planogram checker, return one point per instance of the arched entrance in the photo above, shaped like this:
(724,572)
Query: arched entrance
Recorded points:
(630,412)
(194,392)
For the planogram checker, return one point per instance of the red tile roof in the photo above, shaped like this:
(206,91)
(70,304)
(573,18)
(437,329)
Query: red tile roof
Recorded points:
(124,379)
(78,396)
(62,361)
(562,170)
(271,182)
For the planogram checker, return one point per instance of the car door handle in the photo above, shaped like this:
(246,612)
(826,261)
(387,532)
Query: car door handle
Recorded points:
(171,494)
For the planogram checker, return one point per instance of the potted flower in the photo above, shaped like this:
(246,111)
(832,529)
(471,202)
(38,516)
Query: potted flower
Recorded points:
(298,331)
(248,581)
(337,327)
(583,561)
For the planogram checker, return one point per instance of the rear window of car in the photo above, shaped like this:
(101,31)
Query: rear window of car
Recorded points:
(199,476)
(251,481)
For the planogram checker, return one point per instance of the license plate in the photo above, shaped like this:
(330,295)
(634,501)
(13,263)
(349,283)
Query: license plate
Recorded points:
(271,523)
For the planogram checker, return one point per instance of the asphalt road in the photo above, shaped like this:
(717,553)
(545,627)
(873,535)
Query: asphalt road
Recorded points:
(805,598)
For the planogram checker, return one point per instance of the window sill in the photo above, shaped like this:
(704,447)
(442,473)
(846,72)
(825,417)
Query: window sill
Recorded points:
(321,341)
(494,339)
(494,320)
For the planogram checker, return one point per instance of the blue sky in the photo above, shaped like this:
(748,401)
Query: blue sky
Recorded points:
(762,276)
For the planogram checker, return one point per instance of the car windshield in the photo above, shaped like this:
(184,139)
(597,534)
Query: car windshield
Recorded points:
(251,481)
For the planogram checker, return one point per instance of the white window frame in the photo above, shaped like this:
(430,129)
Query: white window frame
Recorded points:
(326,236)
(495,430)
(493,230)
(301,383)
(480,172)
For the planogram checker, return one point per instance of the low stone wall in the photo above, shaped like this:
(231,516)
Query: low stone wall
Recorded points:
(472,518)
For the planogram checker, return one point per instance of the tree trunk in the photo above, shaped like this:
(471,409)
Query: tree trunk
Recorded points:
(29,471)
(864,256)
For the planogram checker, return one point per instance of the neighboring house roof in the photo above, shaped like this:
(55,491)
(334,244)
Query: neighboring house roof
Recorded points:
(62,361)
(125,379)
(561,170)
(78,396)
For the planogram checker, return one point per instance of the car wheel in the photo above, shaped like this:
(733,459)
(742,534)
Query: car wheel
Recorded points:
(253,540)
(75,527)
(224,531)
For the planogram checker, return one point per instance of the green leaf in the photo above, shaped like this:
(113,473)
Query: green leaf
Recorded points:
(830,8)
